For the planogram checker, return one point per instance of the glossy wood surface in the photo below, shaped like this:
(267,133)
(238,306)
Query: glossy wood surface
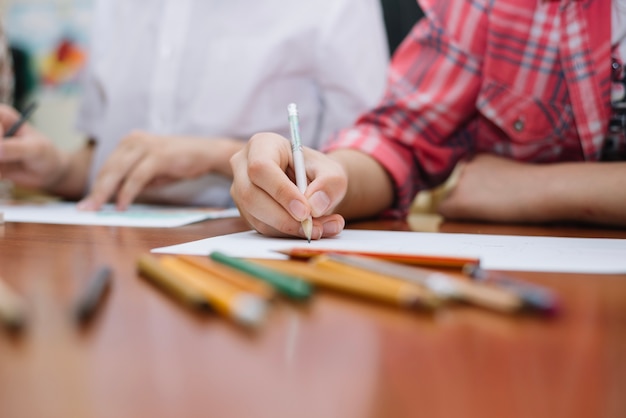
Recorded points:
(147,356)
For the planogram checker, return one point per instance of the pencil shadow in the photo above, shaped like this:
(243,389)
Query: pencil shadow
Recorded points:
(376,307)
(302,306)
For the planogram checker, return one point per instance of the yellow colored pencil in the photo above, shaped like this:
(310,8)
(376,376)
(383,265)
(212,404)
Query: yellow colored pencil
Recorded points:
(444,285)
(235,277)
(334,276)
(243,307)
(150,268)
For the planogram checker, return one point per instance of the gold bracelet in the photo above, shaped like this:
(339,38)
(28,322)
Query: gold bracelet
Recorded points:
(423,214)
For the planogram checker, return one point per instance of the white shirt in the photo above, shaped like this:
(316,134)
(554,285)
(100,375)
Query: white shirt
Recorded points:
(229,68)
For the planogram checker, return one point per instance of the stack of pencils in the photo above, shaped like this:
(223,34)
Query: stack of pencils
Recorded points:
(242,289)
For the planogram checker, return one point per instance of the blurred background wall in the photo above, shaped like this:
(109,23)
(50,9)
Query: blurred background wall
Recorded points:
(49,39)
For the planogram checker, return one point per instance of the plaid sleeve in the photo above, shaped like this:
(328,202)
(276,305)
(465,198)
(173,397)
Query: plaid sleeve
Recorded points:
(434,81)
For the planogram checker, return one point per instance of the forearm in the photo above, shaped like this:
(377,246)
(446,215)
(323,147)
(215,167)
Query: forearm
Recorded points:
(194,156)
(370,190)
(220,154)
(498,190)
(583,192)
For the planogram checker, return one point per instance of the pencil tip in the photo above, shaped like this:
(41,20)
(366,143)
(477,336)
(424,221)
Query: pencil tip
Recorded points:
(307,227)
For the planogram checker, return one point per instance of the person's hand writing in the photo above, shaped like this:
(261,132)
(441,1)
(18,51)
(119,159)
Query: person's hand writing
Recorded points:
(268,199)
(142,160)
(29,158)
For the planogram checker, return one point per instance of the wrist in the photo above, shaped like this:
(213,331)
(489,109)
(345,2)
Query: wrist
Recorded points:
(369,188)
(427,201)
(220,153)
(70,178)
(424,211)
(58,176)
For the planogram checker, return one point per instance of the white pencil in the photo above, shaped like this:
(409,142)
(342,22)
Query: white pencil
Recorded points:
(298,162)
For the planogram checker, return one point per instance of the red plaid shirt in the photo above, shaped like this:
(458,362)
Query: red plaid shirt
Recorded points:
(525,79)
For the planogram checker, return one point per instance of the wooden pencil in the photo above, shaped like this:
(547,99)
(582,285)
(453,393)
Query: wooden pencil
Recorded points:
(416,259)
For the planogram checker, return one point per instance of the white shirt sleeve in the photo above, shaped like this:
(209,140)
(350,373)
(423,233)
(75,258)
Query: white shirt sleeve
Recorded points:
(352,75)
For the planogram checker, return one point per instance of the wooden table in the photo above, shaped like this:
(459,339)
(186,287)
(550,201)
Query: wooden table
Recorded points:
(147,356)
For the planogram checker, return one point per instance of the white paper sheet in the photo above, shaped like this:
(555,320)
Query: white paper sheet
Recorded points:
(497,252)
(146,216)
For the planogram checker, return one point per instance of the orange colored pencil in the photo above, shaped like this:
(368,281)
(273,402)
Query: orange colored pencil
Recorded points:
(416,259)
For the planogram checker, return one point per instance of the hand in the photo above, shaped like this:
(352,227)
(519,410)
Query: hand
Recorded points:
(142,160)
(265,192)
(29,158)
